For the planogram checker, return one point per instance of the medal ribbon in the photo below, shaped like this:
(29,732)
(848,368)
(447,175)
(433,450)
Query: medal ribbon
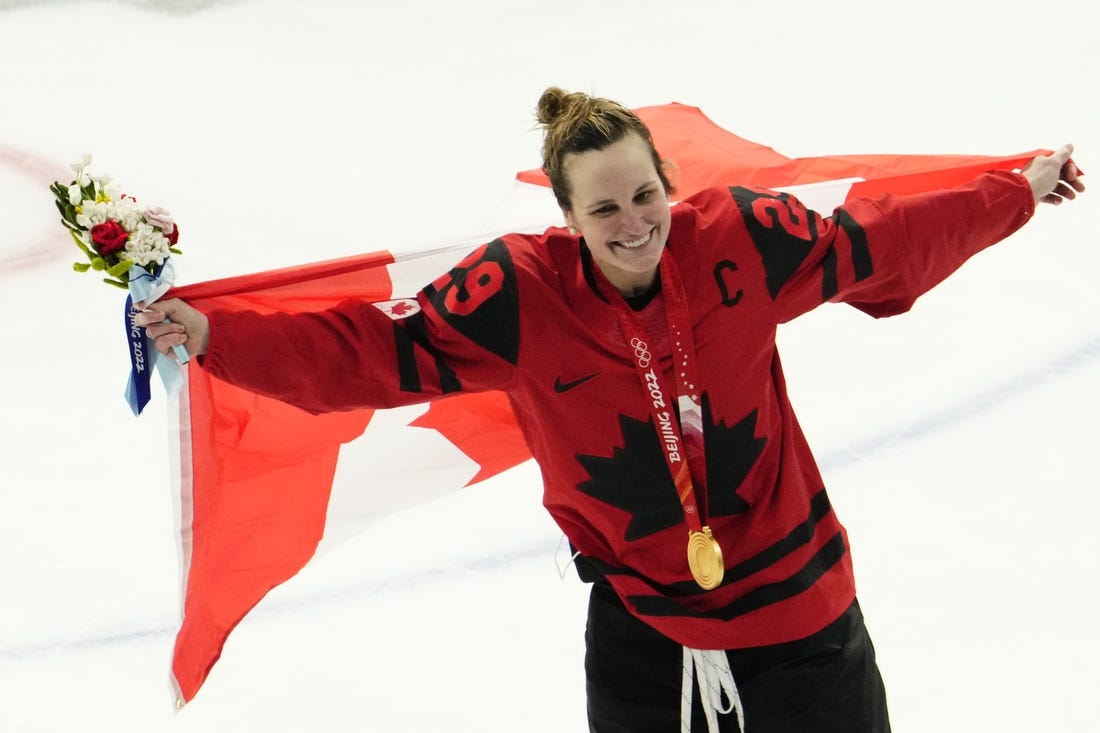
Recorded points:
(681,440)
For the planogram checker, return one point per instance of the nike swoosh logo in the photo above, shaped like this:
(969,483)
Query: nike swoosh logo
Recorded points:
(561,387)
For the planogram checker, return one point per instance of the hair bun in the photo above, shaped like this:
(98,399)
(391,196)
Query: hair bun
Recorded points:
(550,105)
(558,108)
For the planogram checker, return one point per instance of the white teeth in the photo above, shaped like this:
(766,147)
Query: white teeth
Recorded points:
(638,242)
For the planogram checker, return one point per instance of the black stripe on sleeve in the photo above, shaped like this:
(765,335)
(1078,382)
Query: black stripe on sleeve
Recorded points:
(861,253)
(409,334)
(406,360)
(829,287)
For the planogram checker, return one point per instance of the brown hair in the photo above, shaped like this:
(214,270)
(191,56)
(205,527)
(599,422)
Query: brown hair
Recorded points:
(574,122)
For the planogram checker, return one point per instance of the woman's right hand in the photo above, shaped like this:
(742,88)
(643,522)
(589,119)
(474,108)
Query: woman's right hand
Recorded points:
(184,325)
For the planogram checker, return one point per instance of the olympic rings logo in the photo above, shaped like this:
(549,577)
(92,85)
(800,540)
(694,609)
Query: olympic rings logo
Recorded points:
(641,352)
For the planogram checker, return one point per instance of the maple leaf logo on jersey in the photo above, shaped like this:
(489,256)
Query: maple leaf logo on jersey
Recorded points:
(635,477)
(398,309)
(731,454)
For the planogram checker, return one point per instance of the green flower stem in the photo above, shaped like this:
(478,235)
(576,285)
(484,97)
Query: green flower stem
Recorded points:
(117,270)
(80,243)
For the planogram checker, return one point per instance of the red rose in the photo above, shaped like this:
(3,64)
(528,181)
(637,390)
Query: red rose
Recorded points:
(109,237)
(175,235)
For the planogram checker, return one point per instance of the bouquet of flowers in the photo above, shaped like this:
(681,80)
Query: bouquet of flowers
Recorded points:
(112,229)
(132,245)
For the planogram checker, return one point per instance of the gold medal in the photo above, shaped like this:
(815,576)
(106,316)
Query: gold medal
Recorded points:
(705,559)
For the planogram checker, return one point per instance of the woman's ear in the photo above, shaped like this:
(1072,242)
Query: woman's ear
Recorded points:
(570,222)
(672,175)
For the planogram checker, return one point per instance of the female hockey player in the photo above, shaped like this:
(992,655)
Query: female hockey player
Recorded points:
(638,350)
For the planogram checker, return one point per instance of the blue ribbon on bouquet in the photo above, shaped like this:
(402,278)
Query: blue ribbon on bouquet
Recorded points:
(146,288)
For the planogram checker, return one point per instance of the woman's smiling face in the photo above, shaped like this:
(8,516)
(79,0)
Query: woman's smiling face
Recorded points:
(620,207)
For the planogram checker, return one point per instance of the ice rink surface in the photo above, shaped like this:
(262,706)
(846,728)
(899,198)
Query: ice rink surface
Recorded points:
(959,441)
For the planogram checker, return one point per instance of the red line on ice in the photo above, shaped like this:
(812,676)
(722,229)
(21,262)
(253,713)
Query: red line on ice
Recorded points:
(49,245)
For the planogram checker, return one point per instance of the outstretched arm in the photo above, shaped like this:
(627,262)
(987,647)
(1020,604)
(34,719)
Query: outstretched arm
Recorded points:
(910,243)
(461,334)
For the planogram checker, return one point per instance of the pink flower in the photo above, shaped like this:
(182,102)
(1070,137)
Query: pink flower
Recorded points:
(160,218)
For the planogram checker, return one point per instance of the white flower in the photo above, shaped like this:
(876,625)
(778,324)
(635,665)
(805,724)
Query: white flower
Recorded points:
(95,212)
(75,196)
(127,213)
(83,162)
(146,244)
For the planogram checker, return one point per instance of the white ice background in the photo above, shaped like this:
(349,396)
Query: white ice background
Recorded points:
(959,442)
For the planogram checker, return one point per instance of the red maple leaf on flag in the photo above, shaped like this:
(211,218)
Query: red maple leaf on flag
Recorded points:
(483,427)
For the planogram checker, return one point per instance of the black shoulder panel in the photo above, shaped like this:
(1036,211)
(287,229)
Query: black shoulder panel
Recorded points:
(782,230)
(479,299)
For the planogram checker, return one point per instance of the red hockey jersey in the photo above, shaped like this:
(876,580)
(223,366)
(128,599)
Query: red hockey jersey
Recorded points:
(523,315)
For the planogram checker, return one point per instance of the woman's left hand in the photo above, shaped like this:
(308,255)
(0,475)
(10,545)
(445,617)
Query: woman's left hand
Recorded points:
(1054,177)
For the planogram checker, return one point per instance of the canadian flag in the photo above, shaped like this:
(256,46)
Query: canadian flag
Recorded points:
(263,484)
